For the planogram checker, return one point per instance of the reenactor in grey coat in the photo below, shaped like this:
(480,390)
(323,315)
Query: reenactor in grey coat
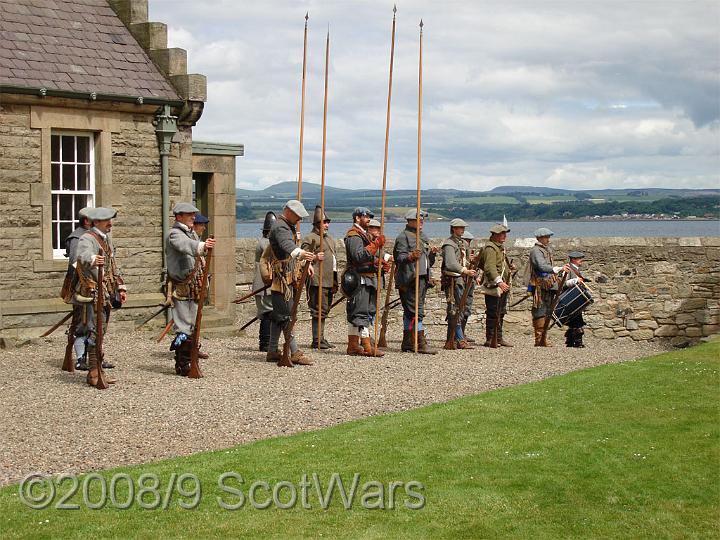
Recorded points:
(361,252)
(543,283)
(263,300)
(286,262)
(76,344)
(329,277)
(406,253)
(469,237)
(454,269)
(497,272)
(183,255)
(88,261)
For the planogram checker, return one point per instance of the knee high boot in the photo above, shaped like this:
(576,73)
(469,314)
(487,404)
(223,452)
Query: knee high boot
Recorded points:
(489,332)
(264,337)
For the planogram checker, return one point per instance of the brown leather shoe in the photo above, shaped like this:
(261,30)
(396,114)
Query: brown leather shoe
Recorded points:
(423,347)
(203,355)
(369,350)
(273,356)
(463,344)
(298,358)
(504,343)
(450,345)
(353,347)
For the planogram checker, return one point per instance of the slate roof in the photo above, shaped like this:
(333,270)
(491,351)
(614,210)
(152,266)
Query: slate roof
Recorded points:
(77,45)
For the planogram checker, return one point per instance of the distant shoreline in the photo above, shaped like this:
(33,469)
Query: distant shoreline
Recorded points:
(588,220)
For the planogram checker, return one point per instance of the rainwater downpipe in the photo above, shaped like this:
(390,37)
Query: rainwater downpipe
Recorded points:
(165,129)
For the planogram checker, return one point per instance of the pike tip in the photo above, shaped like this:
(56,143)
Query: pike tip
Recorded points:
(394,9)
(307,16)
(421,24)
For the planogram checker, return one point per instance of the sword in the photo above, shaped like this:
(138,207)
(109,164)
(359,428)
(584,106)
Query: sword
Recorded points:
(528,295)
(57,325)
(250,295)
(151,317)
(167,328)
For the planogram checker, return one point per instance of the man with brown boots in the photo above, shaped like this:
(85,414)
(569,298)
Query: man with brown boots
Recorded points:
(89,260)
(454,269)
(329,278)
(406,254)
(543,283)
(496,286)
(362,254)
(183,254)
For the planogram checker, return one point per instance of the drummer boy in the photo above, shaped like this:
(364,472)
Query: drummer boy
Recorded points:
(574,332)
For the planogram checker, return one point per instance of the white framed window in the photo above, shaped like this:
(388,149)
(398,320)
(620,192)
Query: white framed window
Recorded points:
(72,163)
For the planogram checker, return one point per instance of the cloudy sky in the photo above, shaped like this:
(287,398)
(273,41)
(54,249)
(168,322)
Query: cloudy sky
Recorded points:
(576,94)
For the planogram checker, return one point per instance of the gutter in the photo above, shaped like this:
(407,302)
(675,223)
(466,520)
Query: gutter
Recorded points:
(89,96)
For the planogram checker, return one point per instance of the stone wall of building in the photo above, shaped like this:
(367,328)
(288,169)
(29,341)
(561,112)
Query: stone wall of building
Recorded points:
(128,178)
(644,288)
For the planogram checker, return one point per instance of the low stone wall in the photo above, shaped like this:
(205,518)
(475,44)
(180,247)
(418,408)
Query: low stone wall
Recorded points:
(644,288)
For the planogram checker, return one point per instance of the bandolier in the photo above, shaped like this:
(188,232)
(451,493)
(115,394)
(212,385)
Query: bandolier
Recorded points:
(329,278)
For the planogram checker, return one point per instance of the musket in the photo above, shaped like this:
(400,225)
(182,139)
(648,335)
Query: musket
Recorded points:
(321,225)
(56,325)
(244,326)
(102,383)
(195,371)
(528,295)
(251,294)
(68,363)
(151,317)
(297,294)
(165,331)
(382,340)
(417,209)
(553,304)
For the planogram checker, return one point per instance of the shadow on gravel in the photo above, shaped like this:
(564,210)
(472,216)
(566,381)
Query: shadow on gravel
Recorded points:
(164,369)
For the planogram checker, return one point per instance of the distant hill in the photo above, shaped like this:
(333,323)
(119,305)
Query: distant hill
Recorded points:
(517,202)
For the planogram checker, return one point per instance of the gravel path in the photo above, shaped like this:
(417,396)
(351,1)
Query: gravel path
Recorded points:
(53,422)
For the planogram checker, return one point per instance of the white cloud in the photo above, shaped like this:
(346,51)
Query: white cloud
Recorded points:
(603,94)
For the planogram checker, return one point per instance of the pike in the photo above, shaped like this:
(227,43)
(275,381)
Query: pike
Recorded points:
(297,293)
(195,371)
(302,120)
(417,214)
(102,383)
(321,225)
(250,294)
(382,342)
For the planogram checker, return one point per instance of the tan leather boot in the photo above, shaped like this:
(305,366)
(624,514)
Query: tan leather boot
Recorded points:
(463,344)
(369,350)
(423,347)
(273,356)
(540,341)
(298,358)
(92,375)
(353,347)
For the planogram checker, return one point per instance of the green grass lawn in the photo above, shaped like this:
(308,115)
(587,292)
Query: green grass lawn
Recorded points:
(627,450)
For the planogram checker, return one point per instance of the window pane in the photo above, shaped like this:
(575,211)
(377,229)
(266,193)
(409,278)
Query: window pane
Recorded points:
(65,230)
(68,177)
(54,208)
(80,202)
(55,148)
(83,177)
(66,207)
(68,148)
(55,236)
(55,168)
(83,149)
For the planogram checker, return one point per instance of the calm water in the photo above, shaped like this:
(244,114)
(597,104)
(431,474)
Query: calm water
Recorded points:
(524,229)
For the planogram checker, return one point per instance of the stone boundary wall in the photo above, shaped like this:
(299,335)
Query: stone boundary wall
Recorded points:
(644,288)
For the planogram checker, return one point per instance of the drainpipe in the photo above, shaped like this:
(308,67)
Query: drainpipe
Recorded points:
(165,128)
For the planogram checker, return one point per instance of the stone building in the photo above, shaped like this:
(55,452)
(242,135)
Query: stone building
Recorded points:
(96,110)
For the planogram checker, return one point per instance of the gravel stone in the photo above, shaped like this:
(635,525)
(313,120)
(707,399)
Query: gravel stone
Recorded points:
(53,422)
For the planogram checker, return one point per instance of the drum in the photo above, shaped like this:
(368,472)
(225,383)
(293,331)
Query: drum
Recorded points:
(571,301)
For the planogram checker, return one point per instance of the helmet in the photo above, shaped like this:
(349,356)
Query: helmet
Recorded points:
(319,215)
(349,282)
(270,219)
